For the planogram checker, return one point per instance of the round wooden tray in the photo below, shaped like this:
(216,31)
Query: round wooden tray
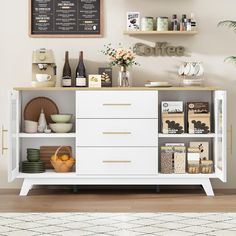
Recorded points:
(33,109)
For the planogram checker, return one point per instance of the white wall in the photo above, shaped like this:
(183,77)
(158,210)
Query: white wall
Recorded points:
(211,46)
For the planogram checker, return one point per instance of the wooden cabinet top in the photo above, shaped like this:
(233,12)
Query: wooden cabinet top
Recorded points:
(119,89)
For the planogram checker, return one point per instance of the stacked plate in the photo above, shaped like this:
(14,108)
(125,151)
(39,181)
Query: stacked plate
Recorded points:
(33,165)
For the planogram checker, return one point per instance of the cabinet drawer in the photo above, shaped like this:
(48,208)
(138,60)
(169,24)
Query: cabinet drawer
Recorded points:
(117,132)
(117,104)
(117,161)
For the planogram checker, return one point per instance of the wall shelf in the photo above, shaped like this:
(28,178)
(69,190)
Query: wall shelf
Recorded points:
(132,33)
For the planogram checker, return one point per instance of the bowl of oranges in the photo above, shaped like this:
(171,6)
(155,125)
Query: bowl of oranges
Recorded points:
(62,163)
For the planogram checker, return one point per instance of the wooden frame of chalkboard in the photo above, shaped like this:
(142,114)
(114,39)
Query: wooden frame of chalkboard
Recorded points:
(44,24)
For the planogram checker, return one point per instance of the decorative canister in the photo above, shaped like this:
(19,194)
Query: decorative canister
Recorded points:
(207,167)
(179,160)
(147,24)
(167,160)
(162,23)
(194,161)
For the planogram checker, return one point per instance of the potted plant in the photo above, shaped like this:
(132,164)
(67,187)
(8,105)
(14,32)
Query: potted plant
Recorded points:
(124,58)
(232,25)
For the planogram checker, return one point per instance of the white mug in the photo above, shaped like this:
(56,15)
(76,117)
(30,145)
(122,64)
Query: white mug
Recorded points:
(43,77)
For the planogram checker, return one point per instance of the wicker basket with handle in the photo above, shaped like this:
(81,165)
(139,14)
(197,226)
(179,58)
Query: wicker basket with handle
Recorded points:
(62,165)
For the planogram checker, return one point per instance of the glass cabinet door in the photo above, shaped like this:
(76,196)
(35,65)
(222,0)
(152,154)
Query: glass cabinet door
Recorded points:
(221,134)
(13,165)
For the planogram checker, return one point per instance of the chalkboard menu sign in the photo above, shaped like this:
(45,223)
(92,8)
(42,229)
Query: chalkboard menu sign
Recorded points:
(66,18)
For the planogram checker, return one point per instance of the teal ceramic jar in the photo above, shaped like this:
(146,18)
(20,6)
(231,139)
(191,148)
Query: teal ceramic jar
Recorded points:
(162,23)
(147,24)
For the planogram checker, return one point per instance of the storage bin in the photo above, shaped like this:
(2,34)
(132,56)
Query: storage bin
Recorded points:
(179,160)
(193,161)
(207,167)
(61,165)
(167,160)
(172,123)
(193,167)
(199,123)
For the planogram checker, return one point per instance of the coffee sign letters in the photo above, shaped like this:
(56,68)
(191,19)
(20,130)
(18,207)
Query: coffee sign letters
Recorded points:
(160,49)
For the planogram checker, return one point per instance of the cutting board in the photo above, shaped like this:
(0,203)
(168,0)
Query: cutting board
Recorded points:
(47,151)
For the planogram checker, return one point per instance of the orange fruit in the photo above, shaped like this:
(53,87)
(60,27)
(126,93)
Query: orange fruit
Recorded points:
(54,158)
(59,161)
(65,157)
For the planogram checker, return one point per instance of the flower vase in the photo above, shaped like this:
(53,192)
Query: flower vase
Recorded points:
(124,77)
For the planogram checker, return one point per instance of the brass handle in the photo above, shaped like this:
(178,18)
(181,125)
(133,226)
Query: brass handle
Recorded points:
(116,133)
(117,104)
(3,131)
(116,161)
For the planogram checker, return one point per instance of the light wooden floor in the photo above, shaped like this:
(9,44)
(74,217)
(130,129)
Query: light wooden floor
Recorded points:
(118,201)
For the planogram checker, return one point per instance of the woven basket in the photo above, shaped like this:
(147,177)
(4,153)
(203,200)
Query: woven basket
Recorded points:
(62,166)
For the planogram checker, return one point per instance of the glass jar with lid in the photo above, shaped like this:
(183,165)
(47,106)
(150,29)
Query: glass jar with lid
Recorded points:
(193,160)
(162,23)
(207,167)
(147,23)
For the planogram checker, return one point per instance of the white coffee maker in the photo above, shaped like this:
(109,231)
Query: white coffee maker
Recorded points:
(43,68)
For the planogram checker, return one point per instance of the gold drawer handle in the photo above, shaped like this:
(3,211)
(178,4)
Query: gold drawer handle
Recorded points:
(3,148)
(118,161)
(117,104)
(116,133)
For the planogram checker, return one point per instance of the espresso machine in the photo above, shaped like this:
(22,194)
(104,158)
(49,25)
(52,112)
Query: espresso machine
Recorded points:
(43,68)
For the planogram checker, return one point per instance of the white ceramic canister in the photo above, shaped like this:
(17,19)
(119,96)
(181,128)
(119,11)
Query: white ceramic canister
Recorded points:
(162,23)
(147,24)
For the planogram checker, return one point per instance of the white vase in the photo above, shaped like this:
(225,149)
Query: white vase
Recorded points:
(42,124)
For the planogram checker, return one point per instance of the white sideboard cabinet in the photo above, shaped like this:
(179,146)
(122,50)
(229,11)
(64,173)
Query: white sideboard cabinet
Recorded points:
(116,137)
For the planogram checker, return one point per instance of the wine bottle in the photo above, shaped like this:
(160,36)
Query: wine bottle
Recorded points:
(81,80)
(66,75)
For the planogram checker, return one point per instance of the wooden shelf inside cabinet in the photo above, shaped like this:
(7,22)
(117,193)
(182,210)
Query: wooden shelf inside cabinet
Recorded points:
(51,135)
(187,175)
(211,135)
(48,174)
(127,32)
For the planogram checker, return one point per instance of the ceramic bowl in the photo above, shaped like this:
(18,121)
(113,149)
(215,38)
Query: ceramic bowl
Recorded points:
(61,118)
(31,126)
(33,158)
(61,127)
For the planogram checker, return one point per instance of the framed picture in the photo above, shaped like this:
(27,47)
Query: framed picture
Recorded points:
(95,81)
(106,73)
(133,21)
(65,19)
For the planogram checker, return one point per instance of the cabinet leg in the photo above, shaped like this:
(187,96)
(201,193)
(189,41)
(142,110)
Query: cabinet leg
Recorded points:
(26,186)
(75,188)
(158,189)
(208,187)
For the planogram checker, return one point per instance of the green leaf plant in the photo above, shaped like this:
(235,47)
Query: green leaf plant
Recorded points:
(231,25)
